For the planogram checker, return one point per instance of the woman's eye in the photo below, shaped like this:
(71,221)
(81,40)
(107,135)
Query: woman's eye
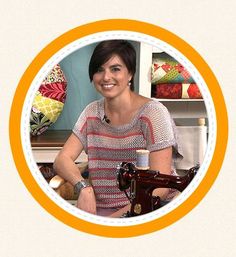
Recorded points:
(99,69)
(115,69)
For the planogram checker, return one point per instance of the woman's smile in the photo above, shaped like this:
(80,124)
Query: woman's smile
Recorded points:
(108,86)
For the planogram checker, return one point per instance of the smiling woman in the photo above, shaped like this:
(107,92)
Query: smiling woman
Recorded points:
(112,129)
(124,52)
(112,78)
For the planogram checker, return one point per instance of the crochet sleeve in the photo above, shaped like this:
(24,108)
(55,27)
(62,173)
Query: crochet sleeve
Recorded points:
(159,129)
(80,128)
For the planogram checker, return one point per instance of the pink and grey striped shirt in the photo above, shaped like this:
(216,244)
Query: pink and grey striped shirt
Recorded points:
(107,146)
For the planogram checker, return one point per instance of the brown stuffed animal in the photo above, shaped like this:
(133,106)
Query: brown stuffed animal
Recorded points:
(62,187)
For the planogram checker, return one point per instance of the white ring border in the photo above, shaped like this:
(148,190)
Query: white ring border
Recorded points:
(65,51)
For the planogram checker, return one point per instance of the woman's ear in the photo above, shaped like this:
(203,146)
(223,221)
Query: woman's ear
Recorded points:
(130,77)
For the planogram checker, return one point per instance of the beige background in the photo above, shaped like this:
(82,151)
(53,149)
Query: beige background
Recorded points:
(26,229)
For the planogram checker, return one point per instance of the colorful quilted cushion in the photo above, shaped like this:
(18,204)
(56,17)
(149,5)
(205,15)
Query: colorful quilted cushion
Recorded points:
(165,69)
(48,102)
(176,91)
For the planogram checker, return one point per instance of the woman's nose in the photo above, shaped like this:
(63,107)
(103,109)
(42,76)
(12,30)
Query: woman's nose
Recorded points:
(106,75)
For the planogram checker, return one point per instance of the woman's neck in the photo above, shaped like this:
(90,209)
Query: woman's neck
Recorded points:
(120,111)
(119,105)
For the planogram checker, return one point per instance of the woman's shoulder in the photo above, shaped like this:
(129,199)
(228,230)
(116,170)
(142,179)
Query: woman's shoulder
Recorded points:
(94,107)
(153,107)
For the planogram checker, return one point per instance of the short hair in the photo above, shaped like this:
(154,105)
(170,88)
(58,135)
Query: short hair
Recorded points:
(106,49)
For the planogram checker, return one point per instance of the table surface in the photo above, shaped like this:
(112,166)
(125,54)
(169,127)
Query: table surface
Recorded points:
(50,138)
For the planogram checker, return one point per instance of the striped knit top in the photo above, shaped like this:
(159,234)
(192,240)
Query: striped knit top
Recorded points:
(107,146)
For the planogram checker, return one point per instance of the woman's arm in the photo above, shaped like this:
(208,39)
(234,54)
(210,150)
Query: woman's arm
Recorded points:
(161,161)
(64,163)
(65,166)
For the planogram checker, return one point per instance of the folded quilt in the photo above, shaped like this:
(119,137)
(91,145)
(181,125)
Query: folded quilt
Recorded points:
(176,91)
(165,69)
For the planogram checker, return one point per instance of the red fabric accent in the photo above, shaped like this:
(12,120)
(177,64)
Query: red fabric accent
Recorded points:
(56,91)
(113,149)
(98,169)
(171,91)
(83,127)
(93,118)
(185,74)
(113,136)
(107,178)
(194,92)
(174,91)
(156,66)
(111,194)
(150,127)
(166,67)
(179,68)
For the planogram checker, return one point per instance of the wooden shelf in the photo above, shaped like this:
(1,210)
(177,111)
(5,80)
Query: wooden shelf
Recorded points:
(45,147)
(50,138)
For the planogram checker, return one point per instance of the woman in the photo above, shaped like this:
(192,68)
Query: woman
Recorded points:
(112,129)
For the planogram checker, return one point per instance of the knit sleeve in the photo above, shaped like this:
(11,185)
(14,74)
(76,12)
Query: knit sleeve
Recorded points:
(80,128)
(159,129)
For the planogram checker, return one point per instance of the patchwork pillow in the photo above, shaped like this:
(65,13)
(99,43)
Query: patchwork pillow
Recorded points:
(48,101)
(165,69)
(176,91)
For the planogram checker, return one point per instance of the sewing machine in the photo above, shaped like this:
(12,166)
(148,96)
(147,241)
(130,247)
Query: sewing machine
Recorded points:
(142,183)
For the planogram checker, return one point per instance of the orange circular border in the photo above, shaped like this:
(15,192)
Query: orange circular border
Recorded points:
(112,25)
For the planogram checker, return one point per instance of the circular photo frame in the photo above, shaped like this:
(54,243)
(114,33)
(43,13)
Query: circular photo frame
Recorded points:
(74,40)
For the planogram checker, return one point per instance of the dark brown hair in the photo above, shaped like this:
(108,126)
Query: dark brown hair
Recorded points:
(104,51)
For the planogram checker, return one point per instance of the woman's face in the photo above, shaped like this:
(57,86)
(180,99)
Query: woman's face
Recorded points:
(112,78)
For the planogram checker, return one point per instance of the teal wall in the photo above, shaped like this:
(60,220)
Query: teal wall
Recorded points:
(80,92)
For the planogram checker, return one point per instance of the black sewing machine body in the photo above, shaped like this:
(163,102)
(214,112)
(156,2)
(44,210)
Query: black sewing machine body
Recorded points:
(142,183)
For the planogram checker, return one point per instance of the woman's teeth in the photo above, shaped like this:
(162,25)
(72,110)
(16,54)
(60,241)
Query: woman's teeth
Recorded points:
(108,85)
